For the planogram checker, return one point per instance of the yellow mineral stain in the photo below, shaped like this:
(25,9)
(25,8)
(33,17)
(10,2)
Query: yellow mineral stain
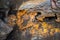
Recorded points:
(47,29)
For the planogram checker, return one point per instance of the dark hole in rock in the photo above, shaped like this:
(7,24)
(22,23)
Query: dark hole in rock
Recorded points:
(12,12)
(47,19)
(38,13)
(52,18)
(2,16)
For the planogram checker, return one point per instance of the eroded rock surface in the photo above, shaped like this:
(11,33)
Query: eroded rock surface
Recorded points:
(4,30)
(33,21)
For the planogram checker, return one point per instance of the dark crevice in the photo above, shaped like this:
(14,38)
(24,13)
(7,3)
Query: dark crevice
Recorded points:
(14,34)
(52,18)
(38,13)
(49,18)
(2,16)
(12,12)
(55,16)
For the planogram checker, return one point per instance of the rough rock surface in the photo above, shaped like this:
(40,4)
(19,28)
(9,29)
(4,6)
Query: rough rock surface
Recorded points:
(4,30)
(15,4)
(36,23)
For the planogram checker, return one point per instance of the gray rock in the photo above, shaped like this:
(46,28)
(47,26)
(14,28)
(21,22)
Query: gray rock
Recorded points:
(11,3)
(4,30)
